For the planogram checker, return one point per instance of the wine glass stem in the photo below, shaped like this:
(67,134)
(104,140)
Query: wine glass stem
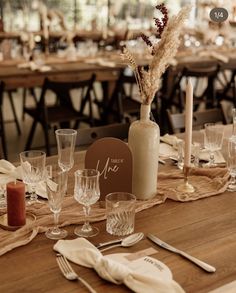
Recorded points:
(33,195)
(86,225)
(212,158)
(56,221)
(233,179)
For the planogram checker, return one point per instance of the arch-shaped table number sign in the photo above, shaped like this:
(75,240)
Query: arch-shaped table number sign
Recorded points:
(113,158)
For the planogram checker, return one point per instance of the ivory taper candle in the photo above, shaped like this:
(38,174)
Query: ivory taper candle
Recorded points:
(188,123)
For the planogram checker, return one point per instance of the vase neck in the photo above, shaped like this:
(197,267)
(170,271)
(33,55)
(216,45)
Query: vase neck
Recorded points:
(145,112)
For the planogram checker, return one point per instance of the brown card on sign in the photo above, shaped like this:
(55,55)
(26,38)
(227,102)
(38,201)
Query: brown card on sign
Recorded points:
(113,158)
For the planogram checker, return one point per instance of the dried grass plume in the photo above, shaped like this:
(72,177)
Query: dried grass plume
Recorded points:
(149,78)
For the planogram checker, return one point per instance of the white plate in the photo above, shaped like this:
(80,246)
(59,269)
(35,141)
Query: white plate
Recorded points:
(145,265)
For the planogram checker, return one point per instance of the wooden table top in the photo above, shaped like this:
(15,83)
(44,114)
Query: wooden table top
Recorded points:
(205,228)
(18,77)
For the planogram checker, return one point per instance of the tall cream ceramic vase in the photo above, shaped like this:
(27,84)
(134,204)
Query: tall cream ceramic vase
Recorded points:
(143,140)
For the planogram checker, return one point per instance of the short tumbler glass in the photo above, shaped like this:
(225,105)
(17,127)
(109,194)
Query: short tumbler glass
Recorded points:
(120,211)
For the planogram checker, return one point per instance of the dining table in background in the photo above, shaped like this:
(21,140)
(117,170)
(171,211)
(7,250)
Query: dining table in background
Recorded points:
(205,228)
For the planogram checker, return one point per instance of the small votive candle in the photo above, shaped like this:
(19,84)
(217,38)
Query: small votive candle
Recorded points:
(16,203)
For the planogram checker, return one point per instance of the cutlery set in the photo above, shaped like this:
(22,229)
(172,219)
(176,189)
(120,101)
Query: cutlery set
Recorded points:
(128,241)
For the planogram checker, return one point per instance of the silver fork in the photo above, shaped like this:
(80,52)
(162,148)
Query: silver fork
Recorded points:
(69,273)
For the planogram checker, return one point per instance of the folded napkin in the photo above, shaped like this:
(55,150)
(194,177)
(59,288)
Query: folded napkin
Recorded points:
(166,151)
(8,173)
(82,252)
(206,181)
(204,155)
(170,139)
(169,148)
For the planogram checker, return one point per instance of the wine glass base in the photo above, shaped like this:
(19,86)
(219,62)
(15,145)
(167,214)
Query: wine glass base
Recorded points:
(231,187)
(55,236)
(32,201)
(86,233)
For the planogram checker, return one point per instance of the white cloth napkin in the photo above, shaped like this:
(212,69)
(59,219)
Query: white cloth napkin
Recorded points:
(170,149)
(82,252)
(8,173)
(170,139)
(204,155)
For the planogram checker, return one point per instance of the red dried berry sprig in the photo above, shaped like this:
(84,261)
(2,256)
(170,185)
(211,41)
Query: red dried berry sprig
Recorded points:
(160,24)
(146,39)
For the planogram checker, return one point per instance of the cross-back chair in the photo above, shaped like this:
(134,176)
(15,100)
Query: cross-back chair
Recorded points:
(86,136)
(63,113)
(122,105)
(229,91)
(208,96)
(177,120)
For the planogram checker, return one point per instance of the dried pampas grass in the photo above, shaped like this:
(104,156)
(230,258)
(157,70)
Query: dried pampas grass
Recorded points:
(149,80)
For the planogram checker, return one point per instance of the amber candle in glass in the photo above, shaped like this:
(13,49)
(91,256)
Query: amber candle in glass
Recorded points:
(16,203)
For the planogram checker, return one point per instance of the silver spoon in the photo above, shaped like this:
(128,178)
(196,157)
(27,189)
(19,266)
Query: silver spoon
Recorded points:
(127,241)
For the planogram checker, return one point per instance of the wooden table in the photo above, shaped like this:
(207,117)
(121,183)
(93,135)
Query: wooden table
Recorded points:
(15,77)
(205,229)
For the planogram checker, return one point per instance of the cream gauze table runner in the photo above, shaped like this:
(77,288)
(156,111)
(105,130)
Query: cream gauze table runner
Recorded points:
(207,182)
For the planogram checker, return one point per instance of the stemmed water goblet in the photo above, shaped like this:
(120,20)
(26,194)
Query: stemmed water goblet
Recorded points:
(66,145)
(213,140)
(33,170)
(232,163)
(86,192)
(55,180)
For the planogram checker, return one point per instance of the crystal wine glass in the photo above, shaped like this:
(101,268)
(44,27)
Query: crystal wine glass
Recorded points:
(232,163)
(66,145)
(86,192)
(213,139)
(55,180)
(33,167)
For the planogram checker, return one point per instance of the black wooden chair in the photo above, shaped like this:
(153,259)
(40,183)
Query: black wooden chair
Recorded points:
(63,113)
(86,136)
(208,95)
(228,93)
(122,105)
(3,150)
(177,120)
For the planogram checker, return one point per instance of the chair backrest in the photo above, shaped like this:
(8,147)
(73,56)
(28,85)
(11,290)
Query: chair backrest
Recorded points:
(62,87)
(177,120)
(122,101)
(176,96)
(86,136)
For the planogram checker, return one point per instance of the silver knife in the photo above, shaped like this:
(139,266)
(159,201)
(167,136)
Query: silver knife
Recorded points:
(198,262)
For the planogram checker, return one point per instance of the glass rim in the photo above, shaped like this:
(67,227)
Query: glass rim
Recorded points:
(36,152)
(80,172)
(111,194)
(66,131)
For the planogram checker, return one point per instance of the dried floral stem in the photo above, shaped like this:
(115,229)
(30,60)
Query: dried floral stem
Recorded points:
(149,80)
